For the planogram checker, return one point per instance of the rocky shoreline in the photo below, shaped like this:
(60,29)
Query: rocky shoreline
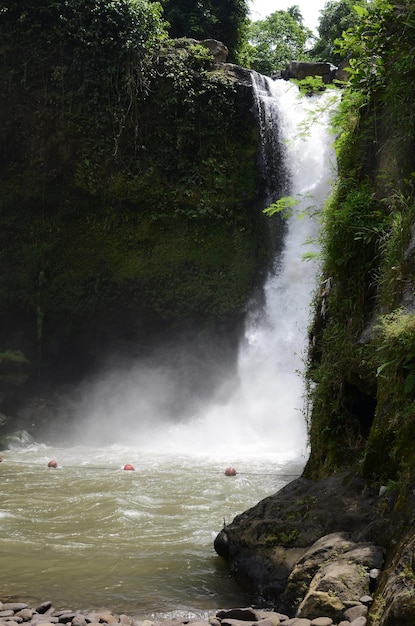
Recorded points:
(16,613)
(313,549)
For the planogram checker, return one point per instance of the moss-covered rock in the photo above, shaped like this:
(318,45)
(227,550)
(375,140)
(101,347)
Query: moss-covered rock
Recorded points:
(129,201)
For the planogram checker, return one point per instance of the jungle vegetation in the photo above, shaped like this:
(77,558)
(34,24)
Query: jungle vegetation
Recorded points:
(127,165)
(362,360)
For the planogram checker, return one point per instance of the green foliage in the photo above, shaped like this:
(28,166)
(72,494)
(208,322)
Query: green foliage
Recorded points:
(14,369)
(13,357)
(284,205)
(224,20)
(366,233)
(127,173)
(336,17)
(311,85)
(380,51)
(397,349)
(275,40)
(365,45)
(347,121)
(90,38)
(351,224)
(125,24)
(394,262)
(284,538)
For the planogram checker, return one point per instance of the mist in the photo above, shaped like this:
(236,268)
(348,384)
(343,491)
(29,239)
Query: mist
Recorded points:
(194,396)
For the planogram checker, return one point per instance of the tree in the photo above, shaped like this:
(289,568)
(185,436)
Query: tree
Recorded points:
(224,20)
(279,38)
(85,36)
(336,17)
(380,52)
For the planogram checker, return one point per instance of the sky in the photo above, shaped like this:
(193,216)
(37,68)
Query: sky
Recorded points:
(309,9)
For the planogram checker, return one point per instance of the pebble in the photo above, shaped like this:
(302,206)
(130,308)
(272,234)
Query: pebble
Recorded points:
(21,614)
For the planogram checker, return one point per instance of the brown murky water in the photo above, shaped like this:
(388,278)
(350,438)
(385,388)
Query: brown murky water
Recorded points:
(90,534)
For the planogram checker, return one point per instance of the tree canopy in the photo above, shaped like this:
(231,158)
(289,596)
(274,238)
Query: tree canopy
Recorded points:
(129,24)
(224,20)
(88,40)
(380,51)
(275,40)
(336,17)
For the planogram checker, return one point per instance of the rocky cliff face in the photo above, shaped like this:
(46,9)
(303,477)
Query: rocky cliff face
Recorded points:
(129,209)
(312,548)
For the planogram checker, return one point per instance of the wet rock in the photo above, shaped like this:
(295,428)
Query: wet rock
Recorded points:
(43,607)
(228,621)
(66,617)
(249,615)
(301,69)
(217,48)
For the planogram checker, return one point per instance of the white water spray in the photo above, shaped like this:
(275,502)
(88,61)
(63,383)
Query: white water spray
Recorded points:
(262,413)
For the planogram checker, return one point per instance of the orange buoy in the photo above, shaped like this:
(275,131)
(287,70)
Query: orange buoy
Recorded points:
(53,464)
(129,467)
(230,471)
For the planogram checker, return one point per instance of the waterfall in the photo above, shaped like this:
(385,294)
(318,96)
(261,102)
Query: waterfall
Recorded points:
(265,413)
(260,412)
(295,130)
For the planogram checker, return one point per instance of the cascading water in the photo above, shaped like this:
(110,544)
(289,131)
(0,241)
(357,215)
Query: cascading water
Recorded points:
(89,534)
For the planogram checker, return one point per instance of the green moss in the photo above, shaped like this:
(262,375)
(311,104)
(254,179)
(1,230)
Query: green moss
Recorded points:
(14,369)
(12,357)
(125,196)
(282,538)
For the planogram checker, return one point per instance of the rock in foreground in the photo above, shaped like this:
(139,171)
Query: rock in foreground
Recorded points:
(13,613)
(309,549)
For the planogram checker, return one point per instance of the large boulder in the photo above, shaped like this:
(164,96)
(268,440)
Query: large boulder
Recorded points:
(341,575)
(217,48)
(17,439)
(307,544)
(301,70)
